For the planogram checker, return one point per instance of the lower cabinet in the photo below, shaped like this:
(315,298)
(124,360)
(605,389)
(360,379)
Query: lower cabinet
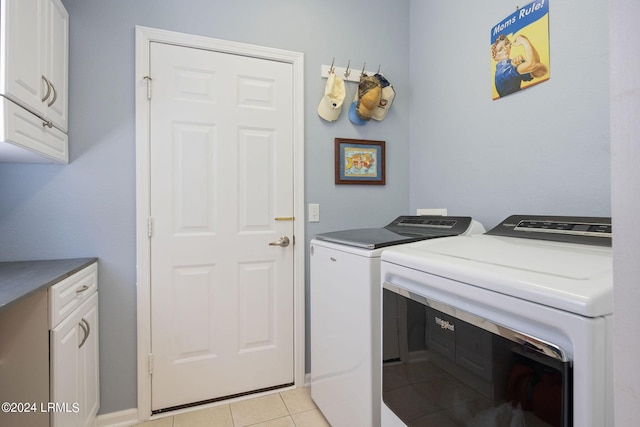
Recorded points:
(75,387)
(49,355)
(74,367)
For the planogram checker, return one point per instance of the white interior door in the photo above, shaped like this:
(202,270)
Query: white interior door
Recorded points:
(221,191)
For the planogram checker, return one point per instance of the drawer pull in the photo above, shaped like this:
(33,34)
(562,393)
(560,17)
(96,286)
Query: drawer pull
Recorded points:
(86,330)
(81,289)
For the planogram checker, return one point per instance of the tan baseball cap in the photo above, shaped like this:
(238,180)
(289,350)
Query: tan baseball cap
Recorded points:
(369,92)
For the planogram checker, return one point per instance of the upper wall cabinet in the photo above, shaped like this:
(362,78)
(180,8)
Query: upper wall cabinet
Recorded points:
(34,50)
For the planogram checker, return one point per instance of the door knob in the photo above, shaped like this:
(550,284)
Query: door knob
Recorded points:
(283,242)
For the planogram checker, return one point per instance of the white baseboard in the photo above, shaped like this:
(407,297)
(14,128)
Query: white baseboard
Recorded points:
(124,418)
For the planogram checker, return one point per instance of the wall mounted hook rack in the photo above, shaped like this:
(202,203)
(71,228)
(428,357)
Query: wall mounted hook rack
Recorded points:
(340,72)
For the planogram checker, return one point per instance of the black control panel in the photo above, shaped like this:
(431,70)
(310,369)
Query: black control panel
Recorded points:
(570,229)
(430,225)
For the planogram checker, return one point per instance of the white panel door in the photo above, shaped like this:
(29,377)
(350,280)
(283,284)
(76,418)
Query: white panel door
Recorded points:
(221,166)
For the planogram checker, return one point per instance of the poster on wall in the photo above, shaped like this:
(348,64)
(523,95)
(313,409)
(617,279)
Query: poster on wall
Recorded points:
(520,49)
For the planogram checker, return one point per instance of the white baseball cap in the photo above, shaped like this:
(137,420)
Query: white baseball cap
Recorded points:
(331,103)
(386,99)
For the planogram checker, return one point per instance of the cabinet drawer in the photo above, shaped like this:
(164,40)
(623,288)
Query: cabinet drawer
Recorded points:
(70,293)
(25,138)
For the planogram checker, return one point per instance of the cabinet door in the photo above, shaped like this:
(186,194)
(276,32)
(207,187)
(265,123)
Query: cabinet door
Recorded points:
(74,370)
(90,375)
(23,31)
(65,369)
(57,62)
(36,52)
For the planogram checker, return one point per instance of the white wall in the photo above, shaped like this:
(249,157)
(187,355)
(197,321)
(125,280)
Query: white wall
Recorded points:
(544,150)
(87,208)
(625,149)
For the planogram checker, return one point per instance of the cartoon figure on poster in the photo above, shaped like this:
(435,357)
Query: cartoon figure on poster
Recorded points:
(520,49)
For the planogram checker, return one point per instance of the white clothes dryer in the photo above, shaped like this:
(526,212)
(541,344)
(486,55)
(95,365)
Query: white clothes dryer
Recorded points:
(345,313)
(518,326)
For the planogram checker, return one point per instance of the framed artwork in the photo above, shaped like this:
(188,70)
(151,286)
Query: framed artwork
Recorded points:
(359,162)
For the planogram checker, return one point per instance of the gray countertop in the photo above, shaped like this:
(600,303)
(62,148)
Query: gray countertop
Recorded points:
(22,278)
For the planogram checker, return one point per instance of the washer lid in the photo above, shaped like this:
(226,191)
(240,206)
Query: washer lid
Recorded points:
(572,277)
(404,229)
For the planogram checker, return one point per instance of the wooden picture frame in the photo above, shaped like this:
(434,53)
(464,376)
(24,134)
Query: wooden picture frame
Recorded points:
(359,162)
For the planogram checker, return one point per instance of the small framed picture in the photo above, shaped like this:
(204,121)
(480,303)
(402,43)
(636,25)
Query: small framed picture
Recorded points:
(359,162)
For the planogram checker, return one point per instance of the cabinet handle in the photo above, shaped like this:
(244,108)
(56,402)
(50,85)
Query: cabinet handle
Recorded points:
(55,96)
(48,88)
(86,330)
(47,123)
(82,289)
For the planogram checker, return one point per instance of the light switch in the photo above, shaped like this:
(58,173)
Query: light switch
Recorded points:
(314,212)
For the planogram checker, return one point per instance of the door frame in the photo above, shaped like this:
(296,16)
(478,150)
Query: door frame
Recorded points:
(144,36)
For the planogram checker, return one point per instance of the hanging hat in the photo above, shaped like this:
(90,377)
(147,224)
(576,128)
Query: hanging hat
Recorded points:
(386,99)
(369,93)
(353,115)
(331,103)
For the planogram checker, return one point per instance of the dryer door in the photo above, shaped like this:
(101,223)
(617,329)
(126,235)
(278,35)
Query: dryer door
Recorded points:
(472,371)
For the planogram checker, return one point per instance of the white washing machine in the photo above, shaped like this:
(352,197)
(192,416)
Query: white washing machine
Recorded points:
(518,326)
(345,313)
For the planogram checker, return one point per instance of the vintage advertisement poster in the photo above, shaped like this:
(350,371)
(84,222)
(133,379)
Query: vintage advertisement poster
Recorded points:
(520,49)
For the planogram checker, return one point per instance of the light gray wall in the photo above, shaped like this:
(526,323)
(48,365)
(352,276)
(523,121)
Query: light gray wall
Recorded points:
(544,150)
(87,208)
(625,183)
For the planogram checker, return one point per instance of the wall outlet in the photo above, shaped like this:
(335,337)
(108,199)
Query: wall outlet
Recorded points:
(442,212)
(314,212)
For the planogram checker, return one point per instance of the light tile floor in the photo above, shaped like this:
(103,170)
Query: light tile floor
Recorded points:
(293,408)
